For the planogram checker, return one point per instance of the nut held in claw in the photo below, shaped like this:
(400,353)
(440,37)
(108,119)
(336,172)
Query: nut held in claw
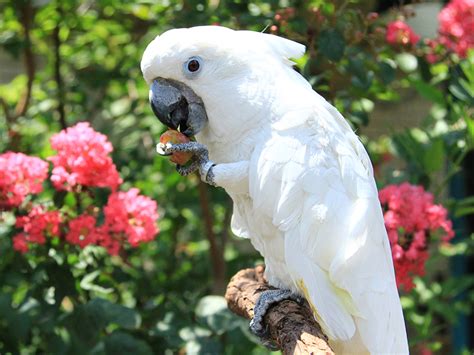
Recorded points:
(174,137)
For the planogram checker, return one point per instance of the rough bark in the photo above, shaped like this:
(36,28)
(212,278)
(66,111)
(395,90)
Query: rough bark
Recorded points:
(291,326)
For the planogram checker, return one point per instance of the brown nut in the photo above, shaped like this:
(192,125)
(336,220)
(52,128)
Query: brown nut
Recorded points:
(174,137)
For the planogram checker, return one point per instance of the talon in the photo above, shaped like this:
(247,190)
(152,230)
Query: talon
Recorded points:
(186,170)
(265,301)
(162,150)
(184,151)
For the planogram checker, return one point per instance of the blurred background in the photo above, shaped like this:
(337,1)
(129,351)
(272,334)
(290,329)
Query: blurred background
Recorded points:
(61,62)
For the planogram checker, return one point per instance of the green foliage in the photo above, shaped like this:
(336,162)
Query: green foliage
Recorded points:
(156,299)
(331,44)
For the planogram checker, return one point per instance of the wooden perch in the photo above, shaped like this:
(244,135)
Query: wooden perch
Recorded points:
(291,326)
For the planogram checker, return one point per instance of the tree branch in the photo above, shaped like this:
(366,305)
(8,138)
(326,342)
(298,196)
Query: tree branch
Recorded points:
(26,14)
(291,326)
(226,223)
(26,19)
(217,254)
(57,68)
(6,111)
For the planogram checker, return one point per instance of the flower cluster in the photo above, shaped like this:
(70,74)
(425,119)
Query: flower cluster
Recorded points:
(131,215)
(412,220)
(82,231)
(20,175)
(456,26)
(83,159)
(434,50)
(35,226)
(399,33)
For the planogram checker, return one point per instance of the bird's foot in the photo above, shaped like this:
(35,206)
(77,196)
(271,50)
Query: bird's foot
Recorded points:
(200,160)
(266,300)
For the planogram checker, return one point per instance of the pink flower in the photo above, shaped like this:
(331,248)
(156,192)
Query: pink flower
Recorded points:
(82,231)
(37,225)
(434,51)
(423,349)
(372,16)
(410,217)
(112,242)
(456,26)
(20,175)
(130,215)
(399,33)
(20,243)
(83,159)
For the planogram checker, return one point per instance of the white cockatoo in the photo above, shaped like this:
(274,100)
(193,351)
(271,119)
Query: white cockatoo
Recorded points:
(301,182)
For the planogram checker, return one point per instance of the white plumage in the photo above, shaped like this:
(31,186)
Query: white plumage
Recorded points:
(301,181)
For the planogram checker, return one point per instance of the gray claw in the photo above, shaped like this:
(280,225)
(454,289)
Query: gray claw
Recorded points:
(185,170)
(265,301)
(200,160)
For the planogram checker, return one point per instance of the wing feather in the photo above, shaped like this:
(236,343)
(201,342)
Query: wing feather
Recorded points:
(324,200)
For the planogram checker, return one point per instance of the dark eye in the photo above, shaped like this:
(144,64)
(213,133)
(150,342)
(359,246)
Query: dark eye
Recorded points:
(192,66)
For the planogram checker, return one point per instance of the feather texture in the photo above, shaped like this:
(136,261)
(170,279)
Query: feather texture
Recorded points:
(324,205)
(301,181)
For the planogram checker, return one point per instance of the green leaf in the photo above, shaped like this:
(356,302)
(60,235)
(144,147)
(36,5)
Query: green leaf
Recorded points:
(21,318)
(408,147)
(213,311)
(470,130)
(433,157)
(119,343)
(356,67)
(387,72)
(407,62)
(114,313)
(87,322)
(87,283)
(463,211)
(460,92)
(331,43)
(429,91)
(120,107)
(211,305)
(362,77)
(203,346)
(364,82)
(85,326)
(192,333)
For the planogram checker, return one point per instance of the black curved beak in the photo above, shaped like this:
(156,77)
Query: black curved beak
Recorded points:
(177,106)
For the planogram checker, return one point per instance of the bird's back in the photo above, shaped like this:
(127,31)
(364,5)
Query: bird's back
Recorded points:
(314,214)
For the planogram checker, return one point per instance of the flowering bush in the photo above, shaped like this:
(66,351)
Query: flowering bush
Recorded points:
(456,26)
(82,161)
(83,231)
(131,215)
(20,175)
(37,225)
(399,33)
(412,221)
(64,293)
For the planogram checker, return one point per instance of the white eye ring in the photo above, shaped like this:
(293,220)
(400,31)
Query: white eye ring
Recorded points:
(192,66)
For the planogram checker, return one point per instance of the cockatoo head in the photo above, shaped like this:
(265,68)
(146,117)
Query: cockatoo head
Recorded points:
(213,80)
